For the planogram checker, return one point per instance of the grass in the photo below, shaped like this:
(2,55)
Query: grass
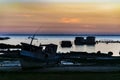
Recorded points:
(59,76)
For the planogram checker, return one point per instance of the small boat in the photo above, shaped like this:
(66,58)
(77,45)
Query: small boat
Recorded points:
(10,65)
(38,56)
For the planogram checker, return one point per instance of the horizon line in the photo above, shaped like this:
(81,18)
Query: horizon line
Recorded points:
(58,34)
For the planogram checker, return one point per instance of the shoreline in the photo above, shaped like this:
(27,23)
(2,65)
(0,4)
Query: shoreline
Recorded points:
(75,69)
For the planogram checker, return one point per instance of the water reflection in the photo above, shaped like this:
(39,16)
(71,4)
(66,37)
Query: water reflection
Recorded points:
(80,48)
(90,48)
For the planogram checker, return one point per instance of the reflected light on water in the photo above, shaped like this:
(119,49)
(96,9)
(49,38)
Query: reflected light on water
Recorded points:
(103,47)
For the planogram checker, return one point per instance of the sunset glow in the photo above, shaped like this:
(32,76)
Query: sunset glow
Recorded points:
(60,16)
(70,20)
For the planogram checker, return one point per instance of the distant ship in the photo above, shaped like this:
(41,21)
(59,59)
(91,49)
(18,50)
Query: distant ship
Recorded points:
(4,38)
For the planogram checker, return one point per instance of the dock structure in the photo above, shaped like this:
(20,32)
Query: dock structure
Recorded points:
(107,41)
(66,44)
(9,46)
(79,41)
(90,40)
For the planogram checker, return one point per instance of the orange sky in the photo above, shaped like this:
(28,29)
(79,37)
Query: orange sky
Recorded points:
(60,17)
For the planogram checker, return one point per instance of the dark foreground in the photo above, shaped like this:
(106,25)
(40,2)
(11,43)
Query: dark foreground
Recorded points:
(59,76)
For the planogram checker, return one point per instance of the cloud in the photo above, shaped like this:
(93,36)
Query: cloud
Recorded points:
(24,15)
(70,20)
(59,0)
(9,1)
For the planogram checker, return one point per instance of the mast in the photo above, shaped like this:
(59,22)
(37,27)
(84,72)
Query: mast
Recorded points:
(32,38)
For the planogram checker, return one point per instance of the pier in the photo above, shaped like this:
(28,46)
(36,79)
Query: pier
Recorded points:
(107,41)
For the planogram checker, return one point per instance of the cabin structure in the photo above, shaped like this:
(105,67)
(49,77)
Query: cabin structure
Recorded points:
(37,52)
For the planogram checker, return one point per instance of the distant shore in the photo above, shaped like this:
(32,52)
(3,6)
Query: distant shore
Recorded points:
(49,34)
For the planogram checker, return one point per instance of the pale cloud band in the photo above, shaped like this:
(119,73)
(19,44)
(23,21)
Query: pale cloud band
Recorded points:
(9,1)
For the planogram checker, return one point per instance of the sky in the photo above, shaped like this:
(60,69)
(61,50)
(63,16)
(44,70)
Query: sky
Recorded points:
(60,16)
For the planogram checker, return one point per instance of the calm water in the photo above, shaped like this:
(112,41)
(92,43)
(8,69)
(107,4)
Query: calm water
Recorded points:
(103,47)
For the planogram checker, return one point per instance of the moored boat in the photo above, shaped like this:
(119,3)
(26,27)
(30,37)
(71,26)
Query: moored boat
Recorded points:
(10,65)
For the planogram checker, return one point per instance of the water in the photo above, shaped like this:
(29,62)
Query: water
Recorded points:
(103,47)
